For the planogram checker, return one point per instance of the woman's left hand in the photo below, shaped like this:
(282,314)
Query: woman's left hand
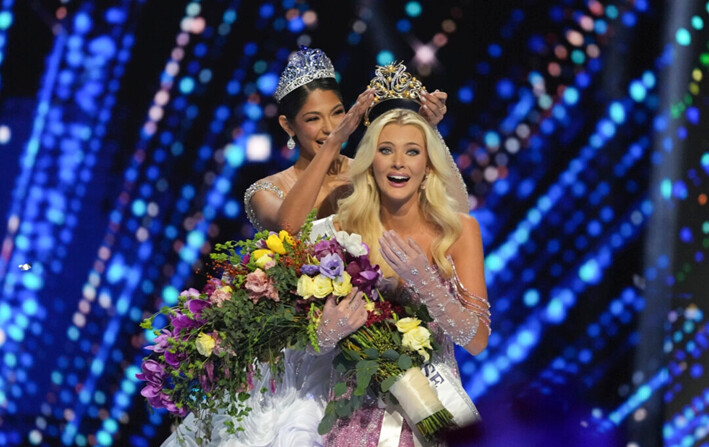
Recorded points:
(407,259)
(434,107)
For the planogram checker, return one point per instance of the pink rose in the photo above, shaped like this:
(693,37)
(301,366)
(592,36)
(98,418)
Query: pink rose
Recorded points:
(220,295)
(259,285)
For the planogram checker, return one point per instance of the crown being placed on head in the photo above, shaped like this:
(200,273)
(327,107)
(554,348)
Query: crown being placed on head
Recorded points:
(393,82)
(303,66)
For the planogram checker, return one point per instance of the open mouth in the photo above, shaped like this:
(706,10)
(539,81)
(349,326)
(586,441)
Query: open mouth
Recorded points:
(399,179)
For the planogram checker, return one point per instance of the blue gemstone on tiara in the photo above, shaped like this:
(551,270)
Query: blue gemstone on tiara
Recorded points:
(304,66)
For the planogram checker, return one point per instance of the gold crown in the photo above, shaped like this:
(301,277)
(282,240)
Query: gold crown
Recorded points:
(393,82)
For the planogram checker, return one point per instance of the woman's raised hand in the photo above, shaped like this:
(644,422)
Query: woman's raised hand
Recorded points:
(353,117)
(406,258)
(433,106)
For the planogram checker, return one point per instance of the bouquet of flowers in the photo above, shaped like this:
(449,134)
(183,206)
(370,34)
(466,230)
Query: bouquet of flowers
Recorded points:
(267,296)
(386,355)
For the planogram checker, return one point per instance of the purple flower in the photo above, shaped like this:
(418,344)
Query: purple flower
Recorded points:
(331,266)
(172,408)
(180,321)
(194,293)
(326,247)
(196,306)
(249,379)
(364,274)
(153,394)
(174,358)
(206,379)
(153,373)
(211,286)
(309,269)
(162,342)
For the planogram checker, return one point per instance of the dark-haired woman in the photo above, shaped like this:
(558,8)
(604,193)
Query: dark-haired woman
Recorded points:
(312,113)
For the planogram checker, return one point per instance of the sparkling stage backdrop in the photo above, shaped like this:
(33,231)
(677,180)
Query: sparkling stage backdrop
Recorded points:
(130,129)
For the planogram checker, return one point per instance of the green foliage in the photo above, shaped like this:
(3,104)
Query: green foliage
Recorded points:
(343,408)
(433,424)
(388,382)
(312,326)
(340,389)
(308,225)
(404,362)
(328,419)
(148,323)
(365,371)
(390,355)
(371,353)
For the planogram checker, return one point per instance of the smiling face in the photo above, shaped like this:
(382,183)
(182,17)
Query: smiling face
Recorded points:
(320,114)
(400,162)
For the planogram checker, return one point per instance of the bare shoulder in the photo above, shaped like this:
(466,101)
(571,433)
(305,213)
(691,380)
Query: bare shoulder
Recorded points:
(470,227)
(469,240)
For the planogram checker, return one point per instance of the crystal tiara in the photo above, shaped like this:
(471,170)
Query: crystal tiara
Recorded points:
(395,86)
(303,66)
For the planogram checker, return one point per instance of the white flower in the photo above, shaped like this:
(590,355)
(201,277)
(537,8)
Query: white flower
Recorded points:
(352,243)
(418,339)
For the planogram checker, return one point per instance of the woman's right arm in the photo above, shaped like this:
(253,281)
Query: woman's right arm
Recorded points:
(261,202)
(290,212)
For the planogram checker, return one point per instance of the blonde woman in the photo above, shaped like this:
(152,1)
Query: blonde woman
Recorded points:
(312,114)
(400,206)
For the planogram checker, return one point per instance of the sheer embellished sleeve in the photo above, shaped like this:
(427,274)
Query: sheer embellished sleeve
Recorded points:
(457,311)
(474,303)
(253,189)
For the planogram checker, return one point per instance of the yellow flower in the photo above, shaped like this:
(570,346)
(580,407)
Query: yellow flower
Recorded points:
(306,286)
(276,244)
(260,252)
(205,344)
(285,236)
(263,260)
(369,306)
(322,286)
(342,288)
(406,324)
(417,339)
(226,289)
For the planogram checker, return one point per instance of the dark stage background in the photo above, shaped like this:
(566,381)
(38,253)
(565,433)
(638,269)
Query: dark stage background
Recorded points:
(129,131)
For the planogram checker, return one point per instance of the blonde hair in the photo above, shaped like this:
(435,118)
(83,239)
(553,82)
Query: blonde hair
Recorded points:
(359,212)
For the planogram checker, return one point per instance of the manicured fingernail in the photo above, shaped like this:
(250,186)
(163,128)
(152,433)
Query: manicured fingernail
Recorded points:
(423,99)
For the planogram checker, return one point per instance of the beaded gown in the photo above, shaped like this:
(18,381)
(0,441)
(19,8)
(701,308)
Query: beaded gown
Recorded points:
(288,413)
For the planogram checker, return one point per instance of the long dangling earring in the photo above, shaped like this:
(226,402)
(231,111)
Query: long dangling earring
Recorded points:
(291,143)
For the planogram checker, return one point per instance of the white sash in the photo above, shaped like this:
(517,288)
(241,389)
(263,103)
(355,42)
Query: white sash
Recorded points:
(451,394)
